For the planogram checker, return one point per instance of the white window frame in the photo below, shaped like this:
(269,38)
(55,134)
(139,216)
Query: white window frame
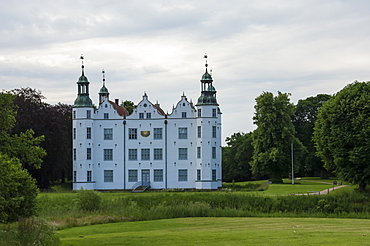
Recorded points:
(183,133)
(132,175)
(158,175)
(214,152)
(158,154)
(132,133)
(108,176)
(108,154)
(214,131)
(88,132)
(183,153)
(88,153)
(183,175)
(108,133)
(132,154)
(145,154)
(157,133)
(89,176)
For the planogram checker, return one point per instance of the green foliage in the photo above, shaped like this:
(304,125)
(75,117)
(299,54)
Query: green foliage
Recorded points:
(342,134)
(304,120)
(88,200)
(273,137)
(129,106)
(236,157)
(32,231)
(18,190)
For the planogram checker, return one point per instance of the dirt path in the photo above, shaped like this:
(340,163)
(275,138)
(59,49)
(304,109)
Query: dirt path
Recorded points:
(323,192)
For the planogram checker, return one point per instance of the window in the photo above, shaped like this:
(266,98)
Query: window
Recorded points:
(214,174)
(199,177)
(88,132)
(141,115)
(108,133)
(108,154)
(74,154)
(108,176)
(199,131)
(183,153)
(157,133)
(213,112)
(183,114)
(158,154)
(213,152)
(88,153)
(183,175)
(148,115)
(132,154)
(106,115)
(132,175)
(199,113)
(158,175)
(183,133)
(74,133)
(214,131)
(74,176)
(88,114)
(89,176)
(145,154)
(132,133)
(199,152)
(74,114)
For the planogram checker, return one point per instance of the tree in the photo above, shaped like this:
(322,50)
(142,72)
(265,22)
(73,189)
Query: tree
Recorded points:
(304,120)
(273,137)
(342,134)
(236,157)
(51,121)
(129,106)
(18,190)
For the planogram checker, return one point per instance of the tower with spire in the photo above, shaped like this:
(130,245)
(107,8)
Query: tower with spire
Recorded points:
(147,148)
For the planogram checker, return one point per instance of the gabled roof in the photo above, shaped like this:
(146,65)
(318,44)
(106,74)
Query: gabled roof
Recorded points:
(120,110)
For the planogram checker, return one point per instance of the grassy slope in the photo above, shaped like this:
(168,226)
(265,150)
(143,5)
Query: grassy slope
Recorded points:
(223,231)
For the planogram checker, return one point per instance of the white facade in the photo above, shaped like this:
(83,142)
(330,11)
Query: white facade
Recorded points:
(115,151)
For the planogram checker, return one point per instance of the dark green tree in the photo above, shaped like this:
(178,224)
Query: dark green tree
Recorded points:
(342,134)
(129,106)
(236,157)
(273,137)
(51,121)
(304,120)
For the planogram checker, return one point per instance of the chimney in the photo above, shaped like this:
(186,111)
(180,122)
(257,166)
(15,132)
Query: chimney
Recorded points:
(116,101)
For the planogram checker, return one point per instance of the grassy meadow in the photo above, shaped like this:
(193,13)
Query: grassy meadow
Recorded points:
(223,231)
(242,213)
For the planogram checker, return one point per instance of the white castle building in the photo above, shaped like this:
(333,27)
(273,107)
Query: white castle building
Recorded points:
(114,150)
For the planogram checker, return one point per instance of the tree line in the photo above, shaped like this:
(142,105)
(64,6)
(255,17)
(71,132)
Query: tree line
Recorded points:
(330,134)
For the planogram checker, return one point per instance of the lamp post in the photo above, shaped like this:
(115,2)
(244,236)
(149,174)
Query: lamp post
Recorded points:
(292,164)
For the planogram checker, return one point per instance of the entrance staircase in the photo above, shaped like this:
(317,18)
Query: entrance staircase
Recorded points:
(140,186)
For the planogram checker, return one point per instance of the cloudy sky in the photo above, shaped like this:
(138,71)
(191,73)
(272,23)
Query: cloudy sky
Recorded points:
(304,47)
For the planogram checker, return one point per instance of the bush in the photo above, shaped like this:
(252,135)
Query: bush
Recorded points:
(88,200)
(18,191)
(32,231)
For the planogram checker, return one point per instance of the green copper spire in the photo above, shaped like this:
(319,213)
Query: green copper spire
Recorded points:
(103,93)
(83,99)
(208,91)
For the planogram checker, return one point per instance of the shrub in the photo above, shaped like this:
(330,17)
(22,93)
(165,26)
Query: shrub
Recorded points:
(18,190)
(88,200)
(31,231)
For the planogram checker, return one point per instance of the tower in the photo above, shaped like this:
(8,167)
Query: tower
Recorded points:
(82,134)
(209,165)
(103,93)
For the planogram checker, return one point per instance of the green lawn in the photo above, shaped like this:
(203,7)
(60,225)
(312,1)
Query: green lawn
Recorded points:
(223,231)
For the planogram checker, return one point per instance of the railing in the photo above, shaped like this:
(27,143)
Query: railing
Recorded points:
(144,184)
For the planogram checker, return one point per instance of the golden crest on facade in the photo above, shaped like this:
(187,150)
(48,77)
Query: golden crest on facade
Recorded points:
(145,133)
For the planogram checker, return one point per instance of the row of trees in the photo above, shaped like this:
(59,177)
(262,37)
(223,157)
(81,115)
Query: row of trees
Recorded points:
(329,134)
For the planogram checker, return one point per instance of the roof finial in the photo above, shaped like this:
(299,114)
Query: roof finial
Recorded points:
(103,72)
(82,61)
(205,57)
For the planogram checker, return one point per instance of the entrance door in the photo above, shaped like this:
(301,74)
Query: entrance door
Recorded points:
(145,175)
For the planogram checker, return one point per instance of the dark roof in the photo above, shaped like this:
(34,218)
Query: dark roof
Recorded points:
(120,110)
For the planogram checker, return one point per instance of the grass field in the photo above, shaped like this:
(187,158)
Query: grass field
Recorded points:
(223,231)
